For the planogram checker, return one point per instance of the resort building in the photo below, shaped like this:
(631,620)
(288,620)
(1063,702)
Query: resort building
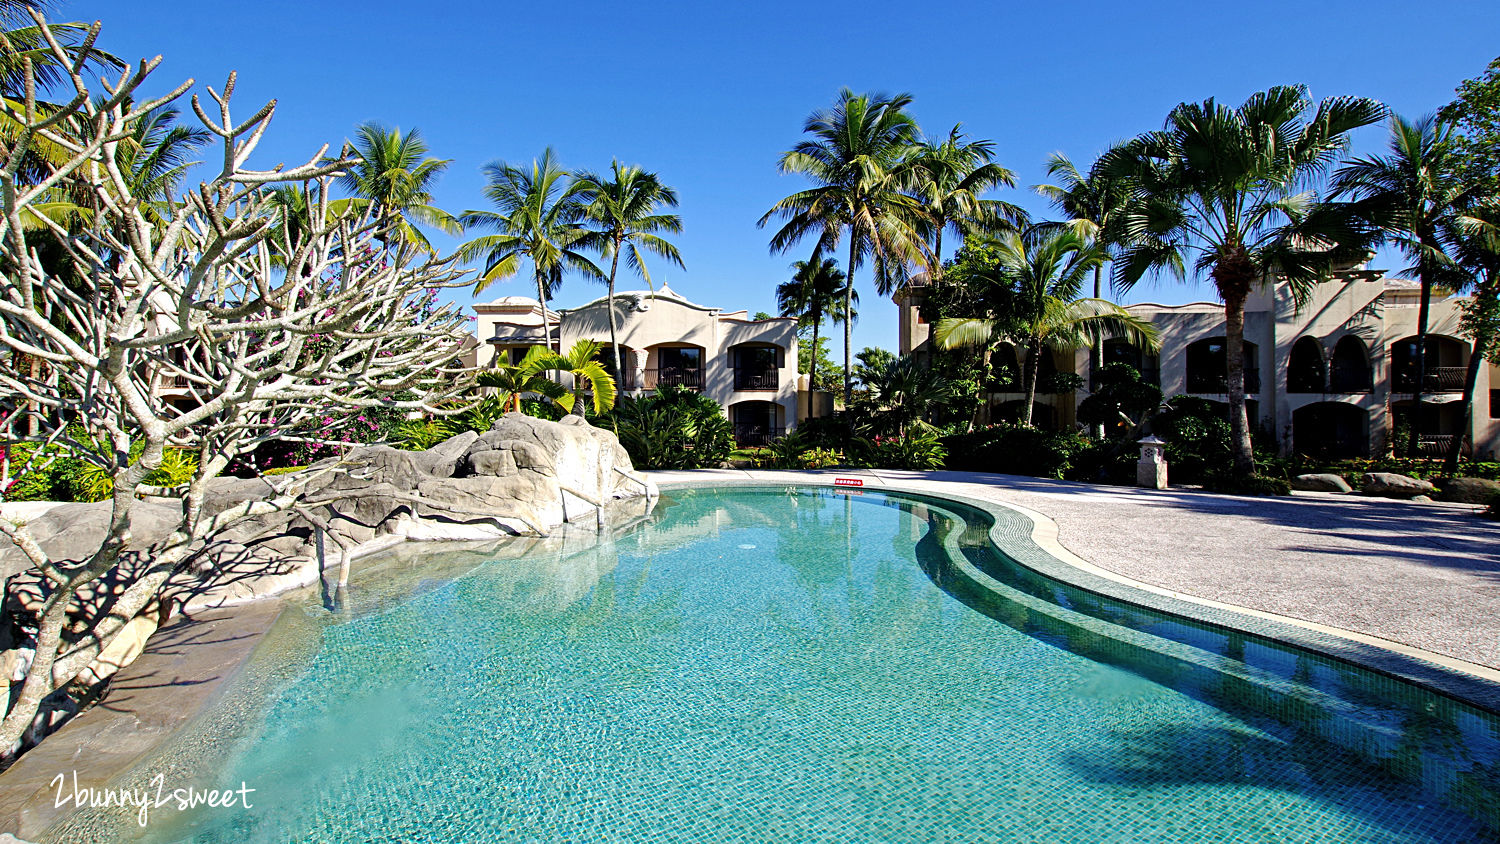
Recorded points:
(1333,377)
(748,366)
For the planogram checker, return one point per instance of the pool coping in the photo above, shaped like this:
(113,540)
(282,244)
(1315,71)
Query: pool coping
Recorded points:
(1031,539)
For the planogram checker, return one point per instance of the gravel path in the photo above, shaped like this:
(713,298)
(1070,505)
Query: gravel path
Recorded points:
(1426,575)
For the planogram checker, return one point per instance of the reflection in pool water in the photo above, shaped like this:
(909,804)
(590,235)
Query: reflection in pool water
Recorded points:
(846,679)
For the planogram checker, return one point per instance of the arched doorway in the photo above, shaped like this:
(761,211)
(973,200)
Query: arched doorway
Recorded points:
(755,422)
(1331,429)
(1445,361)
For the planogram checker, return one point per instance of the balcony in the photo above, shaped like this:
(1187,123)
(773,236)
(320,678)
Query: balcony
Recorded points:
(1218,383)
(1440,379)
(1433,445)
(757,379)
(753,435)
(674,376)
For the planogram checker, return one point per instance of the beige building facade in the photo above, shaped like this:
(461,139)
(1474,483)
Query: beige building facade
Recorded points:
(1333,377)
(748,366)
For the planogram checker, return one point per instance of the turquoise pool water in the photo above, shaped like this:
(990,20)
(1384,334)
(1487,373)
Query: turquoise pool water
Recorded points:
(781,665)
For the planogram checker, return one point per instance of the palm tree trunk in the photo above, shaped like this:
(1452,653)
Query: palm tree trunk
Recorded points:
(1471,379)
(541,296)
(936,275)
(848,321)
(812,366)
(1416,399)
(1096,353)
(1029,373)
(1234,352)
(1486,294)
(614,344)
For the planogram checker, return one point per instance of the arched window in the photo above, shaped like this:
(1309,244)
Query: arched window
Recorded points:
(1208,367)
(1351,367)
(1006,368)
(1305,371)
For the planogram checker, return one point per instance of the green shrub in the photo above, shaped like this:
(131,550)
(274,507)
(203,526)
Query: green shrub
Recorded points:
(1015,450)
(1230,484)
(672,428)
(918,450)
(56,475)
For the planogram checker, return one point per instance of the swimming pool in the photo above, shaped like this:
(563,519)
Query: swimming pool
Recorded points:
(800,664)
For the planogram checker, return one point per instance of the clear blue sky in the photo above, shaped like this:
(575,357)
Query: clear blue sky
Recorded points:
(708,94)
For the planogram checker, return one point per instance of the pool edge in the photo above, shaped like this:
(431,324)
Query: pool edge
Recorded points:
(1042,552)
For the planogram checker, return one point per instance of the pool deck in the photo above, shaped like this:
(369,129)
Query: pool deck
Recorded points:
(1423,575)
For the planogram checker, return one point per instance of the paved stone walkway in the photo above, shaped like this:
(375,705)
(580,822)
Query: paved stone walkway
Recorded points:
(1425,575)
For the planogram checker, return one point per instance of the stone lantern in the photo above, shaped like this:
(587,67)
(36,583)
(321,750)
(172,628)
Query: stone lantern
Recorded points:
(1151,469)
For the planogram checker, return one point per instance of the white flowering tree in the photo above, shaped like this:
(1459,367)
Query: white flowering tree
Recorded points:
(241,313)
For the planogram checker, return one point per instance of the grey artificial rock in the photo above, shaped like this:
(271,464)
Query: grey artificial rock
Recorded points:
(1392,485)
(1469,491)
(1326,482)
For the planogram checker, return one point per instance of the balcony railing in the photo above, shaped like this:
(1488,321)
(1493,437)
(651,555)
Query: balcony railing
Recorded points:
(753,435)
(1209,382)
(1440,379)
(1434,445)
(757,379)
(674,376)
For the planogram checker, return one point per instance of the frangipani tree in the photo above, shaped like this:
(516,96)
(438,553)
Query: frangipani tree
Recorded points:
(186,294)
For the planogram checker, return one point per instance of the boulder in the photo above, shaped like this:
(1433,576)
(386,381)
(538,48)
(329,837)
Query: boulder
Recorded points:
(1327,482)
(1469,491)
(1391,485)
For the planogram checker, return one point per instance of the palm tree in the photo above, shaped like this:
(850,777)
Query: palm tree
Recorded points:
(540,219)
(1093,203)
(1411,195)
(1475,240)
(393,177)
(858,156)
(589,376)
(530,376)
(1223,184)
(948,178)
(1046,266)
(22,40)
(625,207)
(816,292)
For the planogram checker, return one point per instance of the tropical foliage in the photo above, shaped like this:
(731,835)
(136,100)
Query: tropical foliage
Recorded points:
(626,212)
(539,219)
(1225,189)
(672,428)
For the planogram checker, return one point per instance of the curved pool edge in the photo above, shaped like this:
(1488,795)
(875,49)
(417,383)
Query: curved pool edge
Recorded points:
(1031,539)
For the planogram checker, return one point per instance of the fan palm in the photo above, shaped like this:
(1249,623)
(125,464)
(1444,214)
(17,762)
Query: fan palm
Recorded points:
(1045,266)
(540,219)
(1229,186)
(858,156)
(1411,195)
(393,177)
(948,178)
(816,292)
(1092,203)
(626,209)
